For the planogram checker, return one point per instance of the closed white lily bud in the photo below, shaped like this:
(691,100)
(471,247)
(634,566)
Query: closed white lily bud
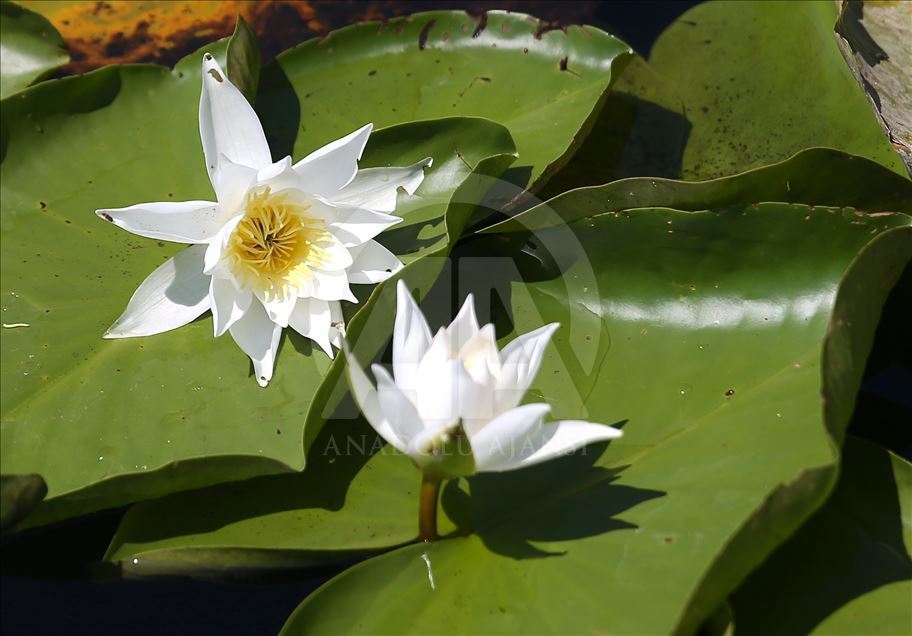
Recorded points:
(452,402)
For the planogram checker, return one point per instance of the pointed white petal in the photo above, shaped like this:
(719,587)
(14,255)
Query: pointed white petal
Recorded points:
(228,124)
(331,286)
(366,397)
(443,392)
(327,170)
(354,226)
(519,363)
(181,222)
(464,325)
(557,439)
(504,440)
(336,257)
(228,303)
(279,309)
(372,263)
(231,182)
(274,170)
(480,356)
(213,262)
(176,293)
(411,338)
(312,319)
(377,188)
(258,337)
(398,408)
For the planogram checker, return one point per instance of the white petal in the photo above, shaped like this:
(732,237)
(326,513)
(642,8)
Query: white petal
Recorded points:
(332,286)
(181,222)
(480,357)
(519,363)
(411,337)
(443,392)
(377,188)
(228,124)
(337,324)
(279,309)
(258,337)
(336,257)
(176,293)
(502,441)
(372,263)
(274,170)
(332,167)
(398,408)
(213,263)
(551,441)
(464,325)
(228,303)
(231,182)
(366,397)
(354,226)
(312,319)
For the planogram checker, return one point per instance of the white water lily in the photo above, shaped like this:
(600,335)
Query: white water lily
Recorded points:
(281,244)
(452,401)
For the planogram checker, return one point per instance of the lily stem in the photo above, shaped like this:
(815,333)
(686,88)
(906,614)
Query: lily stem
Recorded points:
(427,511)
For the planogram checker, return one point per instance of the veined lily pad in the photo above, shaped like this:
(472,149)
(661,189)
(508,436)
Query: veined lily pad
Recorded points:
(545,86)
(30,48)
(109,422)
(761,81)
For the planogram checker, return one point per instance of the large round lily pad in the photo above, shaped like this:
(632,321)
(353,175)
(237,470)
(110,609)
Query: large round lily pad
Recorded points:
(138,418)
(544,85)
(762,80)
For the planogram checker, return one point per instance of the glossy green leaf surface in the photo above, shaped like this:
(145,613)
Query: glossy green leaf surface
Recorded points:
(848,570)
(641,131)
(544,85)
(712,357)
(814,177)
(761,80)
(142,417)
(657,343)
(30,48)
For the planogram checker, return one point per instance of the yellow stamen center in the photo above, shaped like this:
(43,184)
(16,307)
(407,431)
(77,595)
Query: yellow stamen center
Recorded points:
(273,248)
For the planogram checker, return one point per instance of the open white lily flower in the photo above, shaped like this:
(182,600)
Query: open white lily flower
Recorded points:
(281,244)
(452,401)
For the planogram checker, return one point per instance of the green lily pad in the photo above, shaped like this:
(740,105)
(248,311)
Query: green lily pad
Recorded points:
(653,511)
(848,570)
(761,81)
(243,60)
(641,131)
(815,177)
(30,48)
(545,86)
(19,495)
(718,355)
(110,422)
